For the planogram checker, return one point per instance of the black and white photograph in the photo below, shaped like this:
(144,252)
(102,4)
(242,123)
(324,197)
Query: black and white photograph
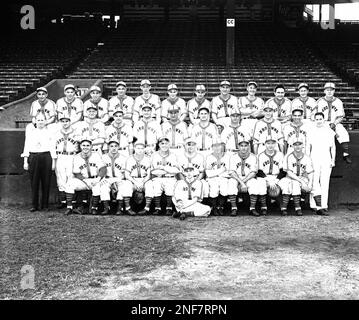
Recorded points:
(190,152)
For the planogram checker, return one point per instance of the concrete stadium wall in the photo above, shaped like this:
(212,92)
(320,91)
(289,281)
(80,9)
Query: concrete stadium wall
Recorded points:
(15,182)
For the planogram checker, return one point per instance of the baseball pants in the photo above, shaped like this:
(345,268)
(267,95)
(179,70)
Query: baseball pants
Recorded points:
(342,134)
(217,185)
(251,184)
(75,184)
(63,170)
(124,188)
(262,184)
(165,185)
(321,180)
(148,187)
(290,186)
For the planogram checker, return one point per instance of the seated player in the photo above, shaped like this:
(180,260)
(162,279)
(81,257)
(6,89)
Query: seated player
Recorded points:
(242,170)
(281,105)
(122,102)
(173,102)
(187,197)
(196,103)
(306,103)
(88,170)
(100,103)
(164,167)
(138,169)
(270,171)
(43,105)
(217,165)
(115,179)
(70,104)
(299,177)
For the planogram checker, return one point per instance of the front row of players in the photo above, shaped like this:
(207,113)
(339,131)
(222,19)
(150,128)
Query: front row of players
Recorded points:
(188,180)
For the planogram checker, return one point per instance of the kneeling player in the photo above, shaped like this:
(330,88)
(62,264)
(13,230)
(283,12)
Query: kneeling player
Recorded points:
(187,197)
(299,177)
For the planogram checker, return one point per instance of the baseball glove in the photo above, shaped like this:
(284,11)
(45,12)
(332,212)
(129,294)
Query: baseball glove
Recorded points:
(138,197)
(274,192)
(306,188)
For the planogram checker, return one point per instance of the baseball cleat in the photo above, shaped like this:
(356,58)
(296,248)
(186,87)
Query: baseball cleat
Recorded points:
(105,211)
(68,211)
(347,159)
(169,212)
(264,212)
(176,214)
(233,212)
(284,212)
(322,212)
(299,212)
(131,212)
(214,211)
(254,212)
(156,212)
(220,211)
(61,205)
(93,211)
(119,212)
(182,216)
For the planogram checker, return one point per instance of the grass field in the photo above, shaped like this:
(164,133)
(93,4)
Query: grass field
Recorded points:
(91,257)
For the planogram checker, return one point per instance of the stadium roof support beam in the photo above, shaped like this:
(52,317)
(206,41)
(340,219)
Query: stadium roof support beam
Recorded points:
(230,26)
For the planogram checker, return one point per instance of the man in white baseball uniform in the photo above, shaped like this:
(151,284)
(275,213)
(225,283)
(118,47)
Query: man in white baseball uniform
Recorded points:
(43,105)
(122,102)
(120,131)
(173,102)
(196,103)
(322,152)
(164,168)
(88,170)
(299,179)
(147,98)
(281,105)
(333,110)
(243,168)
(70,104)
(187,197)
(223,105)
(115,179)
(306,103)
(100,103)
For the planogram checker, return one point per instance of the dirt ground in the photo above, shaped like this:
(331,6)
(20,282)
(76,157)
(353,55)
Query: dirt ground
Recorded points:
(274,257)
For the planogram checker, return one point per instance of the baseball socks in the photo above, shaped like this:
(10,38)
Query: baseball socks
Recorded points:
(146,209)
(213,204)
(128,206)
(263,203)
(62,198)
(95,202)
(297,207)
(157,201)
(168,205)
(232,199)
(69,207)
(252,205)
(346,156)
(119,206)
(284,204)
(106,207)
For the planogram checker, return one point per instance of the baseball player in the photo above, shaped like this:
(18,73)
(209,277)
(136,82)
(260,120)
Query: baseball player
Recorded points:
(270,172)
(122,102)
(233,134)
(88,170)
(251,106)
(187,197)
(70,104)
(44,105)
(196,103)
(66,144)
(299,169)
(100,103)
(173,102)
(120,131)
(93,128)
(322,152)
(281,105)
(147,129)
(115,178)
(164,167)
(268,126)
(176,132)
(138,172)
(204,133)
(217,166)
(306,103)
(147,98)
(295,129)
(223,105)
(242,170)
(332,108)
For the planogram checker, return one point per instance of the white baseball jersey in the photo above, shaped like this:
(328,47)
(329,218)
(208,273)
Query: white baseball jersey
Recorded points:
(264,129)
(196,160)
(88,167)
(213,163)
(299,166)
(332,110)
(124,103)
(101,105)
(167,162)
(187,191)
(308,105)
(169,104)
(138,169)
(282,108)
(291,133)
(243,166)
(123,135)
(92,129)
(48,108)
(270,164)
(153,100)
(249,106)
(204,136)
(70,108)
(224,108)
(232,136)
(115,165)
(66,142)
(193,106)
(175,132)
(147,132)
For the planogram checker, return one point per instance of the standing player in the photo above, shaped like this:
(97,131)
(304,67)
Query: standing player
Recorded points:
(164,167)
(100,104)
(204,133)
(173,102)
(175,131)
(122,102)
(251,106)
(188,194)
(147,98)
(138,172)
(299,169)
(243,169)
(281,105)
(332,108)
(223,105)
(147,129)
(196,103)
(120,131)
(115,179)
(306,103)
(268,126)
(322,152)
(70,104)
(43,105)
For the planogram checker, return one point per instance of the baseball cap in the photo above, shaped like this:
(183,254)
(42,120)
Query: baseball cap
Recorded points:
(303,85)
(329,85)
(297,108)
(85,138)
(146,105)
(252,83)
(64,115)
(243,141)
(225,83)
(189,139)
(173,110)
(268,106)
(171,87)
(203,108)
(118,111)
(121,83)
(43,89)
(298,140)
(113,141)
(91,106)
(235,113)
(69,86)
(188,168)
(270,138)
(138,143)
(95,88)
(200,87)
(145,81)
(163,138)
